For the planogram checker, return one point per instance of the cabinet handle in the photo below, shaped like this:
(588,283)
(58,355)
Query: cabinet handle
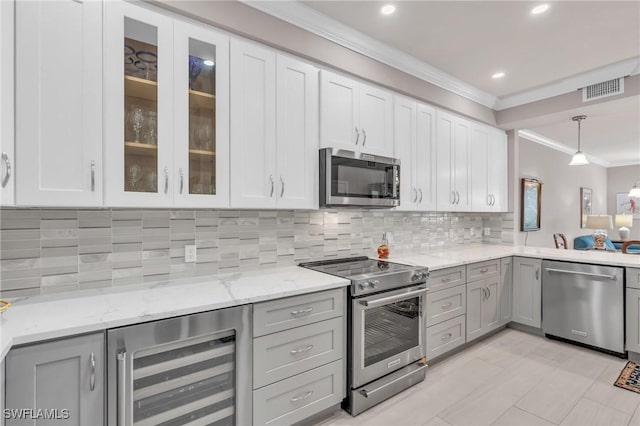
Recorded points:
(299,351)
(93,178)
(364,133)
(452,199)
(420,190)
(122,387)
(484,270)
(457,197)
(484,293)
(302,312)
(92,378)
(446,305)
(537,273)
(181,179)
(489,292)
(446,280)
(301,397)
(282,190)
(166,179)
(357,135)
(7,164)
(415,195)
(446,336)
(273,185)
(488,199)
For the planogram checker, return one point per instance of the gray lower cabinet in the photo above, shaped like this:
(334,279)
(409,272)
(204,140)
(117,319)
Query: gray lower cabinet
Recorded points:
(298,356)
(446,304)
(483,307)
(527,291)
(506,290)
(66,377)
(446,336)
(633,309)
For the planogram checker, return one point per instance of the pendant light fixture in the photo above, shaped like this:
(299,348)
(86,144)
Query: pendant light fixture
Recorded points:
(635,190)
(579,159)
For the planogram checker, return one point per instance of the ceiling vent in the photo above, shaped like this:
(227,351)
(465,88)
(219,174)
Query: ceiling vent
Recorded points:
(602,90)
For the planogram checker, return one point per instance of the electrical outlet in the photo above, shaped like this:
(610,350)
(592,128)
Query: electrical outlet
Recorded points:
(472,232)
(487,231)
(190,254)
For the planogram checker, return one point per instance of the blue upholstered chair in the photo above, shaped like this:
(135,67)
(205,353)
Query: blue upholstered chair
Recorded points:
(585,242)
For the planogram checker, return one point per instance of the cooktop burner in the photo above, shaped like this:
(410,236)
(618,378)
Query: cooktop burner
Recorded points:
(370,275)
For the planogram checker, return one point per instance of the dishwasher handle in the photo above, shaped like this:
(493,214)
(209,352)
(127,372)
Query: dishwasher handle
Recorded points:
(589,274)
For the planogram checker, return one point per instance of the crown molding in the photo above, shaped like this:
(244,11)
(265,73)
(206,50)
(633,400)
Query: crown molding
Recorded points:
(624,68)
(322,25)
(553,144)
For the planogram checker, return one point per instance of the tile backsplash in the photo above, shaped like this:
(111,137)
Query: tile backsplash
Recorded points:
(45,251)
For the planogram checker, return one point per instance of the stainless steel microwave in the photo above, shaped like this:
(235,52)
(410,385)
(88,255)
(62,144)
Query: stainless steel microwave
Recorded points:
(348,178)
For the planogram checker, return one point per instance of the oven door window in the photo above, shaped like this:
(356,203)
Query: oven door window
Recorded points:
(363,179)
(391,329)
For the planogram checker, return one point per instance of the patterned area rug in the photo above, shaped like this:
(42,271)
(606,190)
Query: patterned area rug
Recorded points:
(629,378)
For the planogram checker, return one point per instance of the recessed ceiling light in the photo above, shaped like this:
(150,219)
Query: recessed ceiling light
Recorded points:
(208,62)
(498,75)
(388,9)
(539,9)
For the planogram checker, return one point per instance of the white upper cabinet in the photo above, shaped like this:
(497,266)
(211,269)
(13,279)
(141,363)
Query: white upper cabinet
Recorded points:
(453,139)
(488,169)
(58,103)
(138,106)
(201,117)
(274,129)
(355,116)
(414,127)
(7,145)
(253,126)
(297,133)
(166,111)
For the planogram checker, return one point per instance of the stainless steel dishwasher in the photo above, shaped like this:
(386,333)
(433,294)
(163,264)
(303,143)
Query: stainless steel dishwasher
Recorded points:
(194,369)
(584,303)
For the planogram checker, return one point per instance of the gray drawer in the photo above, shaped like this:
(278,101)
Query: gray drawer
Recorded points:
(446,336)
(283,314)
(281,355)
(633,277)
(446,278)
(294,399)
(446,304)
(482,270)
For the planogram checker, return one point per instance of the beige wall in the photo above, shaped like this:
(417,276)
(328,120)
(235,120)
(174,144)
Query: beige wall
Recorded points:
(560,192)
(621,179)
(246,21)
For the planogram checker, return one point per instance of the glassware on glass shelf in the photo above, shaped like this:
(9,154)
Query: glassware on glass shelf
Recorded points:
(136,118)
(129,53)
(195,66)
(150,61)
(151,123)
(152,181)
(204,137)
(134,176)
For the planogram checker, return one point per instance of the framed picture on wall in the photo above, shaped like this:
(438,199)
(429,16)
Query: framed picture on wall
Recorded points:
(586,197)
(627,205)
(530,204)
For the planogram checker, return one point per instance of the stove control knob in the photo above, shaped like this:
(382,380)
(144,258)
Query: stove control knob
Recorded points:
(419,276)
(373,283)
(363,286)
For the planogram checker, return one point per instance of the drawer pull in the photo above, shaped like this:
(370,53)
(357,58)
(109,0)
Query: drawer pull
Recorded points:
(299,351)
(484,270)
(301,397)
(446,280)
(446,305)
(446,336)
(301,312)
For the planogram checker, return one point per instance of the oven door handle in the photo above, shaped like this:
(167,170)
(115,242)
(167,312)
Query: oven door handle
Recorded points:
(391,299)
(367,393)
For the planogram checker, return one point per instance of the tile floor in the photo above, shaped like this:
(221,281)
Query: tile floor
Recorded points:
(512,378)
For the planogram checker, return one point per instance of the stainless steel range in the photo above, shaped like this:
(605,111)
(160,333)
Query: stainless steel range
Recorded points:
(387,327)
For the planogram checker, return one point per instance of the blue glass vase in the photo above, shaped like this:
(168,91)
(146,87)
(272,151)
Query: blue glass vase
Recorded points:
(195,66)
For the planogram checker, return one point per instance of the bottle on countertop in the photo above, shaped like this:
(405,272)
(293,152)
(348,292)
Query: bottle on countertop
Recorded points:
(383,249)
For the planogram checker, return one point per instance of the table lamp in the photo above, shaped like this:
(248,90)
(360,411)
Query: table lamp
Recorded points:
(600,224)
(624,221)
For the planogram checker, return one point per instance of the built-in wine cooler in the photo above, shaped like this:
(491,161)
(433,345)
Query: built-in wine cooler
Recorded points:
(190,370)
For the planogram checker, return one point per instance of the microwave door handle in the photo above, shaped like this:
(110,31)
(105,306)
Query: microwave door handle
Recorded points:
(391,299)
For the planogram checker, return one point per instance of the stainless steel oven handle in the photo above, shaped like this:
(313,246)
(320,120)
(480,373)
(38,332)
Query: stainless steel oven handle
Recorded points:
(391,299)
(367,393)
(122,389)
(589,274)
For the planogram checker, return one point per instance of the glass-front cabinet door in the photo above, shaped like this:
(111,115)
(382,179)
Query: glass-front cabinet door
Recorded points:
(201,97)
(139,112)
